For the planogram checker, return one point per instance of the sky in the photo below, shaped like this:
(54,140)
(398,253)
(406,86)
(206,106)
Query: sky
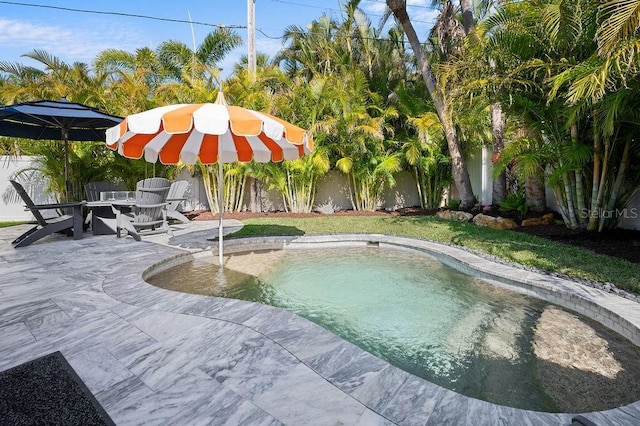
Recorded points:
(77,30)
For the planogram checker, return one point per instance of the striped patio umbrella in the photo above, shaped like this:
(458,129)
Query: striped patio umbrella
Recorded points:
(213,133)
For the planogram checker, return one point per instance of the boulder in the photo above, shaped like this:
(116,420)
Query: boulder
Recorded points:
(461,216)
(547,219)
(454,215)
(494,222)
(444,214)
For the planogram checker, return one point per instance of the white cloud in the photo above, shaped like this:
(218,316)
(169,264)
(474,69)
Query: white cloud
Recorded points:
(80,43)
(269,46)
(375,8)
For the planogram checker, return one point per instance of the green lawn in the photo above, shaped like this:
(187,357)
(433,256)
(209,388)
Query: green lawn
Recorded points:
(6,224)
(513,246)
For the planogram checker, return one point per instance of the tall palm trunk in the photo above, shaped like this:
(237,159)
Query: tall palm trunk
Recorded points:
(254,195)
(580,197)
(569,200)
(617,186)
(418,178)
(459,167)
(467,16)
(596,208)
(595,186)
(534,189)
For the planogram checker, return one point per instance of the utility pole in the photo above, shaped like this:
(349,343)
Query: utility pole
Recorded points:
(254,187)
(251,38)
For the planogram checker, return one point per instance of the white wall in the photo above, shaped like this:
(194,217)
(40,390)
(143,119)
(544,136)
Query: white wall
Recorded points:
(480,170)
(11,205)
(196,196)
(404,194)
(630,215)
(332,190)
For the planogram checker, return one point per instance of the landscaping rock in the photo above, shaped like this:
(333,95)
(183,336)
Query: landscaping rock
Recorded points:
(454,215)
(494,222)
(444,214)
(547,219)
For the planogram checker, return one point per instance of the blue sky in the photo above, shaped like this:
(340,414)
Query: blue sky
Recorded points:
(78,36)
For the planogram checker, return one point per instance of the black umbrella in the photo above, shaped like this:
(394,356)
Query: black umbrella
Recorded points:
(56,120)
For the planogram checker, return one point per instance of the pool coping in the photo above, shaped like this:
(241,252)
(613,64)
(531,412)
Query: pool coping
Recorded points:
(395,395)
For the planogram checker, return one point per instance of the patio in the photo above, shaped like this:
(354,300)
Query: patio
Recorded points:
(152,356)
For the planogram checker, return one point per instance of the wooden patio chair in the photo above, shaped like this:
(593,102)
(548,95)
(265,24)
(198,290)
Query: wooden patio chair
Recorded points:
(149,211)
(72,220)
(175,197)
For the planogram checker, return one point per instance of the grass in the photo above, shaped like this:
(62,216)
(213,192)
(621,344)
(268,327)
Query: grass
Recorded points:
(516,247)
(7,224)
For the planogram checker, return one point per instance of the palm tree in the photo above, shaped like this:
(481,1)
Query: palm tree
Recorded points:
(78,83)
(551,43)
(443,108)
(179,59)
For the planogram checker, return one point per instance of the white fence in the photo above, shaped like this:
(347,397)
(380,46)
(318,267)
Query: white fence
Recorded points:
(11,205)
(332,193)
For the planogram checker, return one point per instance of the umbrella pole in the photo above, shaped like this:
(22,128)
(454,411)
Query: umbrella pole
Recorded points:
(66,167)
(220,206)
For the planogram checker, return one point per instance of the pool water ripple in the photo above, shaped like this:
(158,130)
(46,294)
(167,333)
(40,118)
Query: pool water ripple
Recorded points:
(402,306)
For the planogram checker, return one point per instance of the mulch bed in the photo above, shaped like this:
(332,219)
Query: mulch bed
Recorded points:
(621,243)
(47,391)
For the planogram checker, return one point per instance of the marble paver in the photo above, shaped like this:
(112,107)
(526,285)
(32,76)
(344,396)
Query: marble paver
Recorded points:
(156,357)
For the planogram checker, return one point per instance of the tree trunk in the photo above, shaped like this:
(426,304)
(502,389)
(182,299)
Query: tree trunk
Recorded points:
(617,187)
(596,210)
(535,196)
(254,195)
(571,208)
(500,181)
(595,185)
(467,16)
(459,167)
(580,197)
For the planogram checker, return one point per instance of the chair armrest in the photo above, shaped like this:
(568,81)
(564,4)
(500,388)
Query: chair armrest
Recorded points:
(57,206)
(176,199)
(152,189)
(149,205)
(122,204)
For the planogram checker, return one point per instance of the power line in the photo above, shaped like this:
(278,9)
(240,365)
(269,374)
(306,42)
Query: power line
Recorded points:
(338,10)
(129,15)
(344,37)
(306,5)
(415,6)
(183,21)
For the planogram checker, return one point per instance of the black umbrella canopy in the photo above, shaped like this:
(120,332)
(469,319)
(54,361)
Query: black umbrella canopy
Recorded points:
(51,119)
(56,120)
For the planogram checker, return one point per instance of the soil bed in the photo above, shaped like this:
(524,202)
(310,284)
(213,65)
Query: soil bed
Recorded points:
(621,243)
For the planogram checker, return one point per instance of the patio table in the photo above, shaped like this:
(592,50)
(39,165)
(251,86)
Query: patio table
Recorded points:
(103,218)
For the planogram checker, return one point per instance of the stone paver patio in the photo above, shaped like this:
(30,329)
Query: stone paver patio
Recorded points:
(152,356)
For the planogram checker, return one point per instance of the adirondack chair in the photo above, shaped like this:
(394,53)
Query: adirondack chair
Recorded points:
(67,222)
(149,211)
(92,191)
(175,197)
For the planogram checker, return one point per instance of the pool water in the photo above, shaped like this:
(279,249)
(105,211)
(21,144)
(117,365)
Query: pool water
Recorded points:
(404,307)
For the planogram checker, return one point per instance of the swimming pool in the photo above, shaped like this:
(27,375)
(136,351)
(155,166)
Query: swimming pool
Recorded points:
(405,307)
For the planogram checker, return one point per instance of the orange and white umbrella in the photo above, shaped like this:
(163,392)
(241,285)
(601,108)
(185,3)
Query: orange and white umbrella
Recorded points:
(214,133)
(208,131)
